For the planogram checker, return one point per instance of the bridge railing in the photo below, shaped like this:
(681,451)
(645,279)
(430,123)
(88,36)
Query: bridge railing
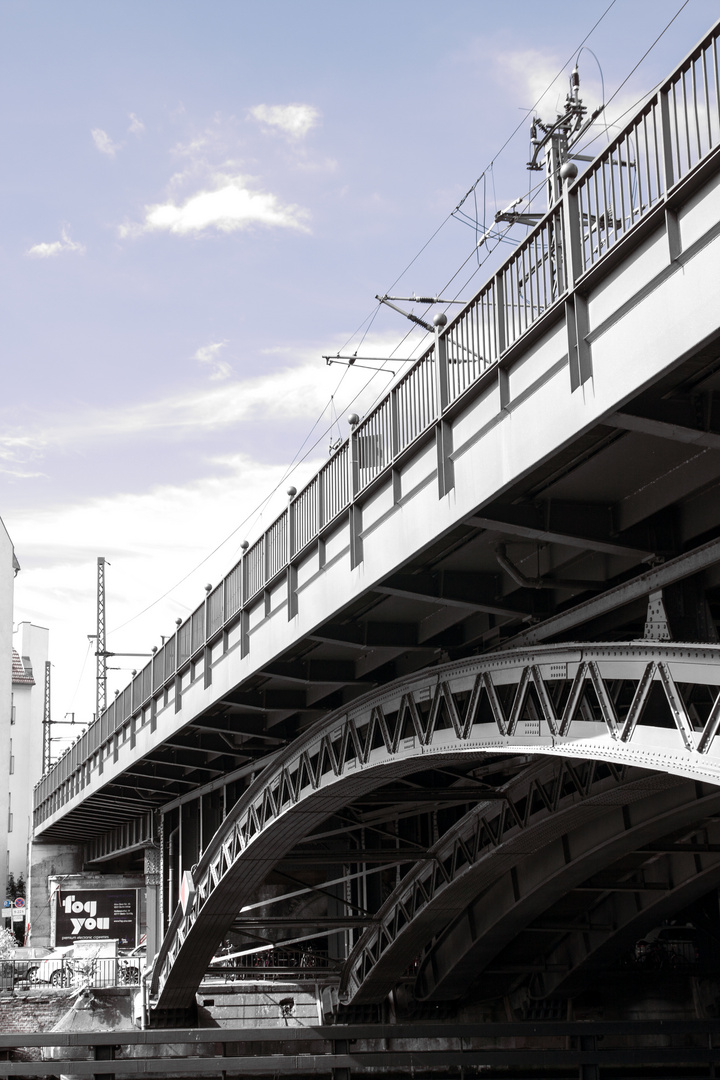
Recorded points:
(672,133)
(668,138)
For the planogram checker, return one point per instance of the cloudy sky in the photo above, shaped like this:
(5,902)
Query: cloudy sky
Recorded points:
(202,198)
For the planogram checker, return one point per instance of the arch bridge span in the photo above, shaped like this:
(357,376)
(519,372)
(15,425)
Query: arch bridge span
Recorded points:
(641,705)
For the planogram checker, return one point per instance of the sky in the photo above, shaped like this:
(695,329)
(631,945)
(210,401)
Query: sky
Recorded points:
(200,199)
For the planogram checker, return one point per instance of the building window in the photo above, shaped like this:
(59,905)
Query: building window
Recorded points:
(12,709)
(10,816)
(12,760)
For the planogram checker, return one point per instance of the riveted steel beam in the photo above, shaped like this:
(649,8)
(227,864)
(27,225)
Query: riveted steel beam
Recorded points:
(660,429)
(620,919)
(568,862)
(546,798)
(692,562)
(468,591)
(548,701)
(566,525)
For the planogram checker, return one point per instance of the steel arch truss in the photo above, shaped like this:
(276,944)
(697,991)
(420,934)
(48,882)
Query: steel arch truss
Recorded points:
(470,948)
(653,705)
(619,918)
(475,852)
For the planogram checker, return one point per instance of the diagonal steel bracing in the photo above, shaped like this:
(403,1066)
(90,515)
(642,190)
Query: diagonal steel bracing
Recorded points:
(571,852)
(650,705)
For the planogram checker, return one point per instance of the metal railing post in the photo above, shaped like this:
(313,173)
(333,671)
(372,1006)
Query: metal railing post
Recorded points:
(244,636)
(672,226)
(576,316)
(354,512)
(501,338)
(666,135)
(207,666)
(443,431)
(290,552)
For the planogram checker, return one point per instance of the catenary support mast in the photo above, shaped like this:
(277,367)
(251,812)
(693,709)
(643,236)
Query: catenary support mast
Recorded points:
(47,721)
(101,651)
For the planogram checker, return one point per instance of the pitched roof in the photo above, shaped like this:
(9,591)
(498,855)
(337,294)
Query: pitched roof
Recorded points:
(19,675)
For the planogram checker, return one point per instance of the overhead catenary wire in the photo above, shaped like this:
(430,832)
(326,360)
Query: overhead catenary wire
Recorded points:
(648,93)
(488,167)
(249,516)
(370,318)
(647,52)
(532,108)
(253,514)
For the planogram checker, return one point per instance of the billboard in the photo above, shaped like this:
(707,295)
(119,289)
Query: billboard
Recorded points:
(96,915)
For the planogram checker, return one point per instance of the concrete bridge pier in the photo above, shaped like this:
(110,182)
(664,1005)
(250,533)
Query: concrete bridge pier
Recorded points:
(48,861)
(66,867)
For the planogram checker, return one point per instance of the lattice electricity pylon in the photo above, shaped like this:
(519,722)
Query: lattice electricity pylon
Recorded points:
(47,721)
(654,705)
(100,642)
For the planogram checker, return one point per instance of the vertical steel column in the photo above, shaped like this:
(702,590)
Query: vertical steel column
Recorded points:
(153,898)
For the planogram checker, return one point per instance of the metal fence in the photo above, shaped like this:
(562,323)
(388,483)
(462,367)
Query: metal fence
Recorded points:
(273,963)
(673,132)
(61,972)
(670,136)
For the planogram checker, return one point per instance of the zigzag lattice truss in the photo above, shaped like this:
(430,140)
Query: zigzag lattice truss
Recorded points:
(651,705)
(552,809)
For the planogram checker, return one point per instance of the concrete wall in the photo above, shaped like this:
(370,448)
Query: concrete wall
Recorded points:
(47,861)
(7,579)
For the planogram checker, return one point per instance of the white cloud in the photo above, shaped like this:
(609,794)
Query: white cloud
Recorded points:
(48,250)
(152,539)
(136,125)
(295,392)
(208,354)
(532,72)
(231,206)
(104,143)
(293,120)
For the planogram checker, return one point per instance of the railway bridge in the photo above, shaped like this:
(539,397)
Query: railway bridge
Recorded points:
(450,726)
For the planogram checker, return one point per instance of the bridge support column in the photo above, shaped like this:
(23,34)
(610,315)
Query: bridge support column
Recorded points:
(152,900)
(46,861)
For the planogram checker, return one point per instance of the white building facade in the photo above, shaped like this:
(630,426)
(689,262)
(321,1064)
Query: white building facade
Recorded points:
(25,744)
(8,568)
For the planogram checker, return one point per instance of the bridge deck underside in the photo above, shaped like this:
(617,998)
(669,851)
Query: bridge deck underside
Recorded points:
(570,552)
(392,776)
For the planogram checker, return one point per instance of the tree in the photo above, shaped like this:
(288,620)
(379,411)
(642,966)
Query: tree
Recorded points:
(8,944)
(11,891)
(20,887)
